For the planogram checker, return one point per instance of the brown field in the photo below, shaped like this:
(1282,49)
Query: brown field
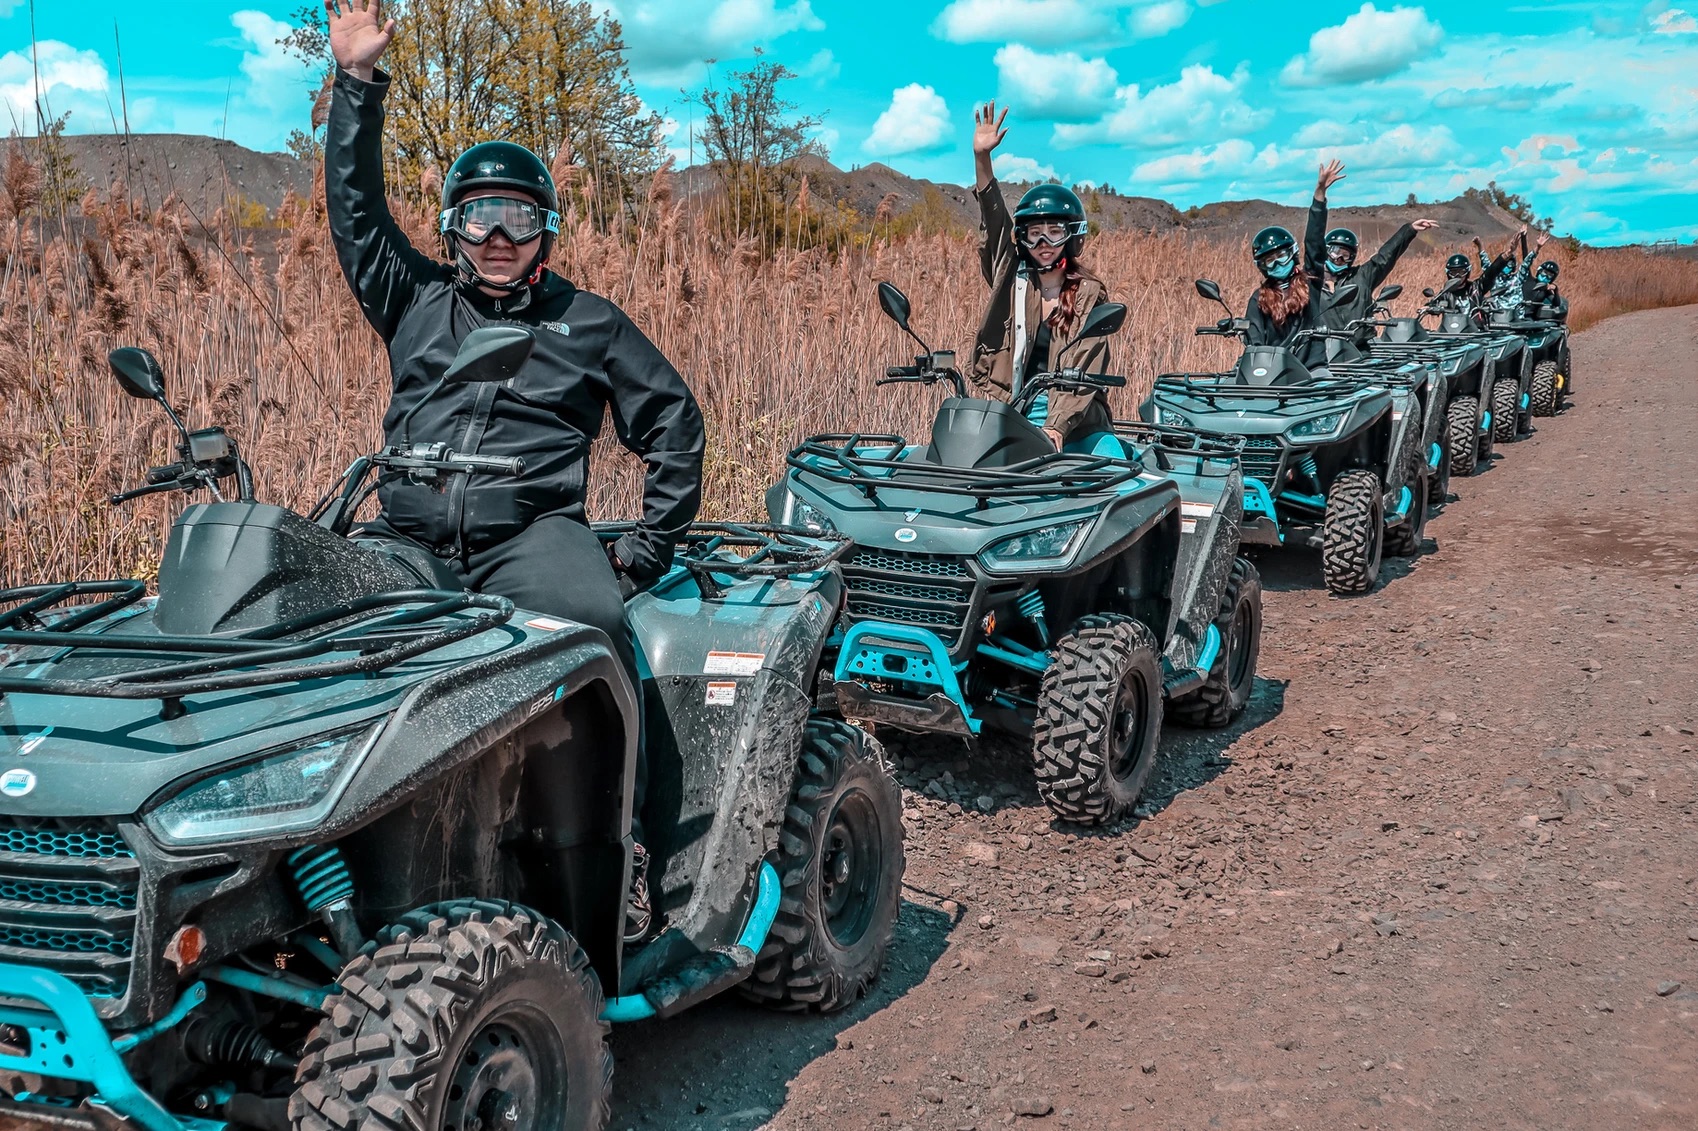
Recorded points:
(257,331)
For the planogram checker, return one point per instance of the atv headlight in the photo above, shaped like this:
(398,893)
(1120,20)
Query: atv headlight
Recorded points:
(809,517)
(1317,427)
(1052,543)
(294,789)
(1171,419)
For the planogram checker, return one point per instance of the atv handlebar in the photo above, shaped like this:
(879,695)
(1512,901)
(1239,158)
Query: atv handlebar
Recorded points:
(423,462)
(926,372)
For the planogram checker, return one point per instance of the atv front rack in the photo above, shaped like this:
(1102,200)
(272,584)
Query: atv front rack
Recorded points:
(749,549)
(386,629)
(1169,442)
(848,458)
(1216,386)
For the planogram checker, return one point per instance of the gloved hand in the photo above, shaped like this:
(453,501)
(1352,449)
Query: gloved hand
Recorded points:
(621,572)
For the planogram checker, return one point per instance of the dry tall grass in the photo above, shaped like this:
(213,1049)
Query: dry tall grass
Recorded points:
(256,330)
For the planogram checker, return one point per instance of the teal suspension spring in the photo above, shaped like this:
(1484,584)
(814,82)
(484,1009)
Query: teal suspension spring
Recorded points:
(322,877)
(1031,606)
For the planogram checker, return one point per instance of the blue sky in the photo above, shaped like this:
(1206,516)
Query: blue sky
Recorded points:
(1588,108)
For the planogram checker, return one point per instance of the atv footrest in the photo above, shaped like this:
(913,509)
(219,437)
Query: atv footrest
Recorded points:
(935,714)
(699,979)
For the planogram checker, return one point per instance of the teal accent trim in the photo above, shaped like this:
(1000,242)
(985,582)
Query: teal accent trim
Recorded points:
(193,996)
(1299,497)
(1434,456)
(1403,500)
(1038,411)
(1256,498)
(925,661)
(560,693)
(312,997)
(68,1042)
(1524,400)
(1102,444)
(1486,422)
(631,1007)
(761,916)
(1211,650)
(321,876)
(1036,662)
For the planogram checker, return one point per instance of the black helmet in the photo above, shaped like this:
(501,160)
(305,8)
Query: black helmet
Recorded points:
(1548,271)
(500,165)
(1271,239)
(1458,265)
(1050,202)
(1342,237)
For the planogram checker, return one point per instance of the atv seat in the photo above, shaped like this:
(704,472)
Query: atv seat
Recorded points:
(431,571)
(1104,444)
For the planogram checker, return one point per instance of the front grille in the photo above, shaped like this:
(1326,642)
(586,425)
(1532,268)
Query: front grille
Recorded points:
(930,590)
(68,900)
(1261,459)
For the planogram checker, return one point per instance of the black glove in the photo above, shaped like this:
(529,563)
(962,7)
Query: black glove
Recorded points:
(621,572)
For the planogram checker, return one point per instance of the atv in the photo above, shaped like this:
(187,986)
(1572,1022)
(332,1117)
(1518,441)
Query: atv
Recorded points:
(997,583)
(316,839)
(1547,367)
(1326,460)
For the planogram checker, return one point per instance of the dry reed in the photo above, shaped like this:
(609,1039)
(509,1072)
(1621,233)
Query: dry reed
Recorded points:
(256,330)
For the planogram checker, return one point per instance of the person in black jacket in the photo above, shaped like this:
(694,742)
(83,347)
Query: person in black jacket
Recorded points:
(524,538)
(1290,300)
(1543,292)
(1342,268)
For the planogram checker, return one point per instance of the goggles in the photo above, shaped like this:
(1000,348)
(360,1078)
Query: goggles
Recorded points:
(1277,258)
(521,221)
(1456,272)
(1049,233)
(1339,253)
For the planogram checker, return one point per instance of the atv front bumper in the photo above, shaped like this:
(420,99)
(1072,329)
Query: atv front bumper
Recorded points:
(52,1031)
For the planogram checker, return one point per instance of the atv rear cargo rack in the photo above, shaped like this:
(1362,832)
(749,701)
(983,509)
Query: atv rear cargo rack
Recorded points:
(1056,473)
(228,662)
(747,549)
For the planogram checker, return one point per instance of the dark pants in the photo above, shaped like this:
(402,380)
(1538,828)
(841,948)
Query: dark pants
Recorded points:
(556,566)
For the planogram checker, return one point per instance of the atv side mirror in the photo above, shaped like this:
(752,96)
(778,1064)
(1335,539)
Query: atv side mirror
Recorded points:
(1428,291)
(894,303)
(1389,293)
(491,353)
(138,373)
(1104,319)
(1209,289)
(1346,294)
(1454,286)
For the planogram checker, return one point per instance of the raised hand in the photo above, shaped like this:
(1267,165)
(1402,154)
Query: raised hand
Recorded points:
(1544,238)
(1424,225)
(988,131)
(1331,173)
(359,34)
(1478,246)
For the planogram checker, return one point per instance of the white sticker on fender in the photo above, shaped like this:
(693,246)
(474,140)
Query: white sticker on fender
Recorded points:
(547,624)
(721,694)
(733,663)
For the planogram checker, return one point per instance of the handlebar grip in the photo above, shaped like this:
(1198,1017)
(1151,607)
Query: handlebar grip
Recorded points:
(897,372)
(494,466)
(167,474)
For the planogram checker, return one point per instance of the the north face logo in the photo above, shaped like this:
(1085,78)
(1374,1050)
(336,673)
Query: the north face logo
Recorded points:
(559,328)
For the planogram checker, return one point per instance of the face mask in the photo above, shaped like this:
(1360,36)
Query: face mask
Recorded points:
(1280,268)
(1339,268)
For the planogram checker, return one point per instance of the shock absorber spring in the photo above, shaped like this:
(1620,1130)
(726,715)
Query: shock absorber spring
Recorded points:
(1031,606)
(327,888)
(1308,467)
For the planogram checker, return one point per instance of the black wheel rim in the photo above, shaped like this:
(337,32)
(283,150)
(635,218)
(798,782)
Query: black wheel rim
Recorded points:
(850,868)
(1238,647)
(511,1076)
(1131,709)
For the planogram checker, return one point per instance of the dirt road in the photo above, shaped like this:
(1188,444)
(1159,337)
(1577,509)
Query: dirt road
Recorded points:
(1442,875)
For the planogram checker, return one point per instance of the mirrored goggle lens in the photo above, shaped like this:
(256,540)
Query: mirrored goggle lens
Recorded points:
(519,220)
(1456,272)
(1340,254)
(1038,235)
(1278,258)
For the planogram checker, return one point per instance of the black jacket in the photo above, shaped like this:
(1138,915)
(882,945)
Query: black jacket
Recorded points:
(589,358)
(1368,278)
(1542,294)
(1263,332)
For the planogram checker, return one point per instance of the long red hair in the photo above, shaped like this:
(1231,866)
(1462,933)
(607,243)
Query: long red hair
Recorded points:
(1283,305)
(1066,313)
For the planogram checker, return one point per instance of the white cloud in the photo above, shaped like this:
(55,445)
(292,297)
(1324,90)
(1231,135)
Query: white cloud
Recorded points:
(823,67)
(668,41)
(1368,45)
(1061,87)
(1324,132)
(1675,21)
(71,81)
(1202,102)
(916,121)
(1047,23)
(1022,169)
(1155,20)
(1380,166)
(277,81)
(1228,160)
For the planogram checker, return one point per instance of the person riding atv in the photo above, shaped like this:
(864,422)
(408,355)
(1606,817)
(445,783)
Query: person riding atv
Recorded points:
(1342,247)
(526,538)
(1543,292)
(1290,301)
(1040,294)
(1507,293)
(1471,298)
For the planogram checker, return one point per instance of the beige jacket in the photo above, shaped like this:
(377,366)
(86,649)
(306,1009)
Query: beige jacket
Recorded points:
(997,358)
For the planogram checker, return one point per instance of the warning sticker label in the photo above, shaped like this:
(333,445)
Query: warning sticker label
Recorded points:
(721,694)
(733,663)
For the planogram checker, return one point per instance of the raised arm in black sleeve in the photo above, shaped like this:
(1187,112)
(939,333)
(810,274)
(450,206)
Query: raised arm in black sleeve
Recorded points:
(1315,241)
(656,417)
(383,268)
(1376,270)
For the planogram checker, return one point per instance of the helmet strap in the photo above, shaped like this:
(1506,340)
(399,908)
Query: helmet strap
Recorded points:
(469,273)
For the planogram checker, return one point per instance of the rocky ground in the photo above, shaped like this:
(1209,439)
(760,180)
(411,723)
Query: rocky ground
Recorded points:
(1441,875)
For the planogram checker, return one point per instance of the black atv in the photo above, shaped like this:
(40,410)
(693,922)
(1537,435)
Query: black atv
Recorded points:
(315,839)
(1326,460)
(998,583)
(1548,363)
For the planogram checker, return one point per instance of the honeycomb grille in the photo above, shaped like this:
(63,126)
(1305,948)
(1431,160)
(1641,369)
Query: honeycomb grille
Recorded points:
(65,894)
(882,588)
(59,838)
(1261,458)
(932,618)
(79,942)
(892,561)
(68,895)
